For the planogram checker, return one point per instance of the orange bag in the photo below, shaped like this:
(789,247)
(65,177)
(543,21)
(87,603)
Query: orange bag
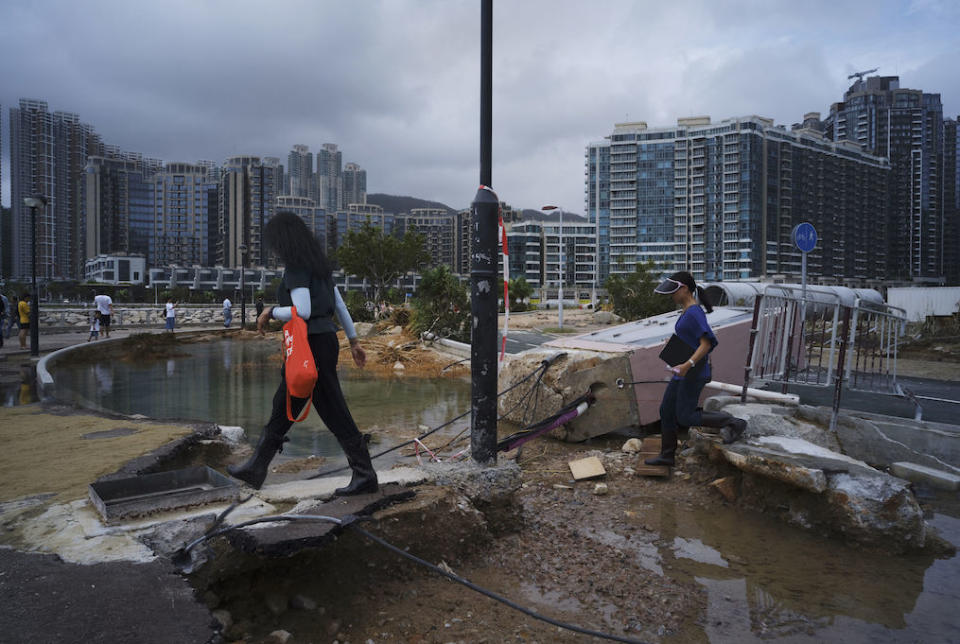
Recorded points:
(300,371)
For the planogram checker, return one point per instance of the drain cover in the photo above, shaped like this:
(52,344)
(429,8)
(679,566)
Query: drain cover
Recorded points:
(138,495)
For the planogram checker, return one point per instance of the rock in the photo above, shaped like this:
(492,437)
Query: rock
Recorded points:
(232,434)
(395,330)
(302,602)
(398,366)
(224,618)
(727,486)
(279,637)
(601,489)
(632,446)
(277,603)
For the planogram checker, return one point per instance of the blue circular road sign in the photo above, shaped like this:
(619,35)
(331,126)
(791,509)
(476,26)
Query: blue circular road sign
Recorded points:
(805,237)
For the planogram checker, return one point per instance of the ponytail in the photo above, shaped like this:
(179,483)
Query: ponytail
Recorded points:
(704,301)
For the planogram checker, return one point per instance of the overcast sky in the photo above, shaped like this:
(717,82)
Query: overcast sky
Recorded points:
(396,83)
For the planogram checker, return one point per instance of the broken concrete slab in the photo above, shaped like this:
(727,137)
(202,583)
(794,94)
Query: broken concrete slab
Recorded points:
(323,488)
(283,538)
(823,488)
(927,475)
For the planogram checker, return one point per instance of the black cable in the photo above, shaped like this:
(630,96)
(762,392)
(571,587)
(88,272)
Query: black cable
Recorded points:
(435,429)
(491,594)
(349,522)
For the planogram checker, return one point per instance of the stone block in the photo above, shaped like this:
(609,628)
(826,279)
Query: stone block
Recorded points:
(927,475)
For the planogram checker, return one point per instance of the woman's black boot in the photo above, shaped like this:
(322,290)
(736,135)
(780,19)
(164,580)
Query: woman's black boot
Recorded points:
(364,478)
(254,471)
(731,427)
(668,449)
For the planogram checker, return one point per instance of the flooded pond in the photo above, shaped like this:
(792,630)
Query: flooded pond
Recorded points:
(766,581)
(232,382)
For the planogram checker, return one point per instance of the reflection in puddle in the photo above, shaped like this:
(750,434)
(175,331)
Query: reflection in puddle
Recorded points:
(232,383)
(766,580)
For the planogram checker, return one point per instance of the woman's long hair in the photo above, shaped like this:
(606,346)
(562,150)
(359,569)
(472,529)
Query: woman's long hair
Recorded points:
(287,235)
(687,280)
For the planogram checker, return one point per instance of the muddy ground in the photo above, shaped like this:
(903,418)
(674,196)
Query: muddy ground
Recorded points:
(560,550)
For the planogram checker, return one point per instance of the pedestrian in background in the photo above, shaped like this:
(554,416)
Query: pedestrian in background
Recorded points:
(227,312)
(104,305)
(171,311)
(23,310)
(259,306)
(94,326)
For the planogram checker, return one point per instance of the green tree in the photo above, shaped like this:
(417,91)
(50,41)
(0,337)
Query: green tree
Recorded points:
(379,258)
(519,290)
(633,297)
(442,305)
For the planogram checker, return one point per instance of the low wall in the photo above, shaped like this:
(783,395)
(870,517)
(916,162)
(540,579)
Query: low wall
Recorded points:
(73,319)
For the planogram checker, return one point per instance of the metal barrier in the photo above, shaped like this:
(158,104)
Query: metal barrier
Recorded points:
(814,339)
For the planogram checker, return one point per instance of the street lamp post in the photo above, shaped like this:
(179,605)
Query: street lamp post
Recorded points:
(560,285)
(37,201)
(243,295)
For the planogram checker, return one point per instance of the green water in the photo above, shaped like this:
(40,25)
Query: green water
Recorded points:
(231,382)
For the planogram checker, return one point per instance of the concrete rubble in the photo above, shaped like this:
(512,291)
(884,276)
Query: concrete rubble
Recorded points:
(788,463)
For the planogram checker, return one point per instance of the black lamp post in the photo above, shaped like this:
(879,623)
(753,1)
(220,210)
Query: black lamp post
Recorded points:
(37,201)
(243,295)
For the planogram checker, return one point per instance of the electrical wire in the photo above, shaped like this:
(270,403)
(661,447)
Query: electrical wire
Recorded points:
(183,556)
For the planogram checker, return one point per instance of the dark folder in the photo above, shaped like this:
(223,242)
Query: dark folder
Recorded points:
(677,352)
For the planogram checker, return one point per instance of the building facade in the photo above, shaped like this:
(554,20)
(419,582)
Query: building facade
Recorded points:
(439,230)
(951,203)
(354,184)
(597,200)
(247,198)
(330,178)
(721,200)
(906,127)
(48,154)
(300,177)
(182,212)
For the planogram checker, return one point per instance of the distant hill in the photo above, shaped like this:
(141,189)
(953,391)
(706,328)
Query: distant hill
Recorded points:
(397,204)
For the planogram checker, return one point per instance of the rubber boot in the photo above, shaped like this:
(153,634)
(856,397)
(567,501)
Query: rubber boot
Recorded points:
(254,471)
(668,449)
(731,427)
(364,478)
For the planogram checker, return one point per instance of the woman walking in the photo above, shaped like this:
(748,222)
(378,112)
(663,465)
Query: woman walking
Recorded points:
(308,285)
(679,405)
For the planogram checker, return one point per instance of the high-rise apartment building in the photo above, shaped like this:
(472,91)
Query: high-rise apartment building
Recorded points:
(906,127)
(438,228)
(951,202)
(48,153)
(247,199)
(354,184)
(597,201)
(330,178)
(721,200)
(300,172)
(526,256)
(118,207)
(180,225)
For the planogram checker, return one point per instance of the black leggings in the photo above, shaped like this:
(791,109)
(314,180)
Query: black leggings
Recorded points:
(327,396)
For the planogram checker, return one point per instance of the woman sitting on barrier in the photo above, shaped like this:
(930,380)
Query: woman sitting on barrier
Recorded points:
(679,405)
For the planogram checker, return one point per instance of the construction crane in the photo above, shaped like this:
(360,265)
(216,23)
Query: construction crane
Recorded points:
(859,75)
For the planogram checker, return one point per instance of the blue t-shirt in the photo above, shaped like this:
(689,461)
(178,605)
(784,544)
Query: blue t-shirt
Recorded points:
(690,327)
